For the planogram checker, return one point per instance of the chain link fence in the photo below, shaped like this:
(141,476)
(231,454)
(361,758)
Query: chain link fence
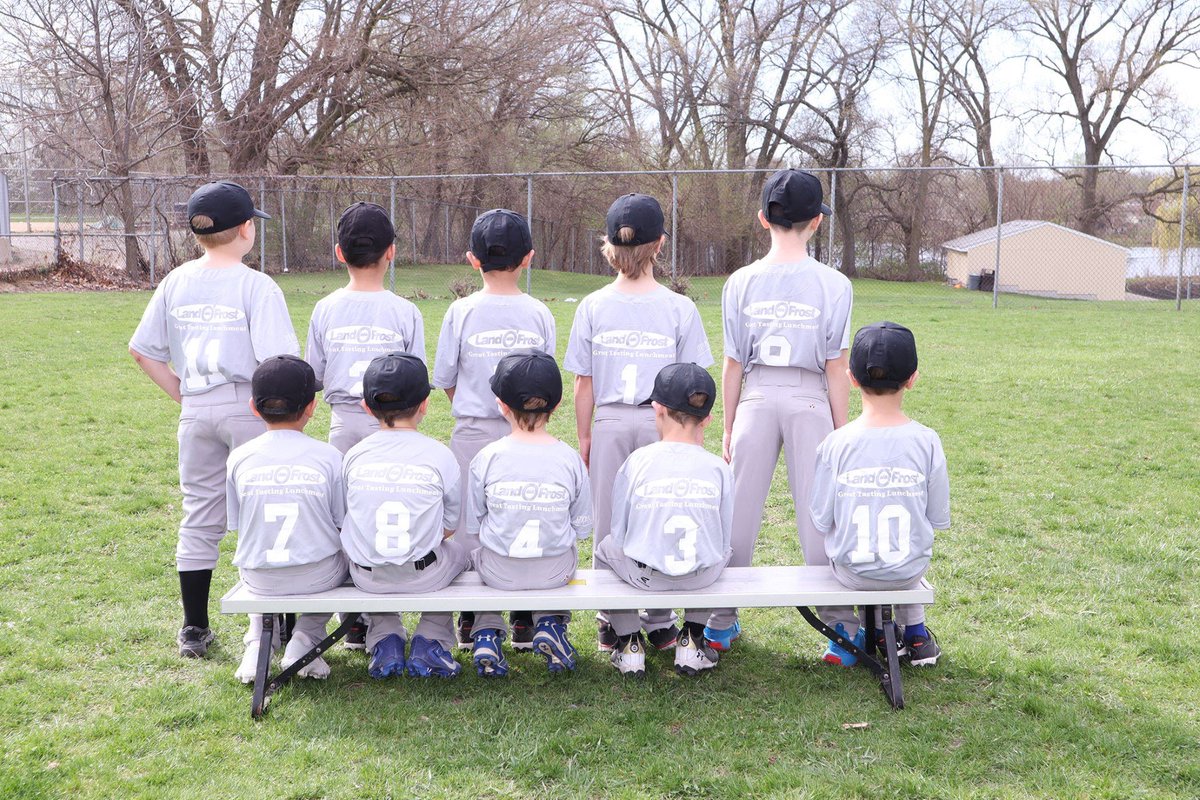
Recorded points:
(1068,232)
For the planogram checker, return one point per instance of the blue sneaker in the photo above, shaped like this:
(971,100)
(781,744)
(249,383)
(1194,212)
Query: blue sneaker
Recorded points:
(387,658)
(429,659)
(722,640)
(836,654)
(550,639)
(486,653)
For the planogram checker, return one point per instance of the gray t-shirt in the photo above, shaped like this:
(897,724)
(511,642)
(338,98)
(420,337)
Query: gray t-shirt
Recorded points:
(214,325)
(623,340)
(349,328)
(402,493)
(673,507)
(284,497)
(528,500)
(878,494)
(786,315)
(477,331)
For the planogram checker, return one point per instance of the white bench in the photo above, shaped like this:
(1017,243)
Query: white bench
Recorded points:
(739,587)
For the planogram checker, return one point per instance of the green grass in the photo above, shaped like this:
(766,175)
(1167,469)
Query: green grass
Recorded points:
(1067,596)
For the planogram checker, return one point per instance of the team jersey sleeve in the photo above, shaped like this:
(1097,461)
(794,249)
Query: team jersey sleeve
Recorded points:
(417,348)
(337,492)
(476,497)
(726,507)
(150,338)
(314,347)
(823,493)
(729,321)
(693,341)
(550,330)
(451,494)
(619,523)
(233,509)
(271,331)
(937,509)
(445,364)
(837,338)
(581,506)
(578,359)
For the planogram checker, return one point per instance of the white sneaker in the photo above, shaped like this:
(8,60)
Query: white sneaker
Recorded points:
(296,648)
(693,655)
(629,655)
(249,666)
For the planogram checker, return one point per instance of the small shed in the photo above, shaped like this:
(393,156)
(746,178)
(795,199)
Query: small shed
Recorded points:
(1041,258)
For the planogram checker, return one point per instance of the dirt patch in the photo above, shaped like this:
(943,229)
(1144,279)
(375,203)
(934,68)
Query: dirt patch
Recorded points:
(68,275)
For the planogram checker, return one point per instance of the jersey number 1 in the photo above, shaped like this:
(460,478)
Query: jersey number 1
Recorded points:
(198,375)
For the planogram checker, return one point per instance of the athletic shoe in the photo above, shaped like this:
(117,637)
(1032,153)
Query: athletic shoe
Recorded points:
(722,640)
(429,659)
(550,639)
(607,636)
(629,655)
(663,638)
(297,647)
(194,641)
(356,637)
(387,657)
(487,655)
(836,654)
(248,669)
(693,655)
(923,651)
(881,643)
(462,631)
(522,631)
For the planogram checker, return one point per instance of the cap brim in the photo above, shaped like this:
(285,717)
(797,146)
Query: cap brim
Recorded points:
(261,214)
(826,210)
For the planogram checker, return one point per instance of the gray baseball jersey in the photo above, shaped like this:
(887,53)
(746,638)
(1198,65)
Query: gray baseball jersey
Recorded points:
(786,315)
(285,499)
(623,340)
(214,325)
(477,331)
(528,500)
(349,328)
(401,495)
(878,495)
(673,507)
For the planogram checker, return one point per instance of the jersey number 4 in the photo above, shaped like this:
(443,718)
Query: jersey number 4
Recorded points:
(892,544)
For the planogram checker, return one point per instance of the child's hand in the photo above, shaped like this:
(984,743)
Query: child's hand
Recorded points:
(726,444)
(585,449)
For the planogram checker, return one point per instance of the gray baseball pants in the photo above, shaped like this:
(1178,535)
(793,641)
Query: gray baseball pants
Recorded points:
(511,574)
(625,621)
(909,614)
(452,559)
(320,576)
(618,430)
(349,425)
(211,425)
(470,435)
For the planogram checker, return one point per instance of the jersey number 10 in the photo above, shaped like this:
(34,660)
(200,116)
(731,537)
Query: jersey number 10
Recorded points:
(884,534)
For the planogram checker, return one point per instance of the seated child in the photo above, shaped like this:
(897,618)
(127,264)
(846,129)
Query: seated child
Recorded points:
(529,500)
(402,505)
(880,491)
(285,500)
(672,519)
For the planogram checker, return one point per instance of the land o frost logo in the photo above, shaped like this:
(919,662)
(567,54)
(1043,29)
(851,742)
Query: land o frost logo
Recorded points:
(633,340)
(505,340)
(782,310)
(385,473)
(881,478)
(283,475)
(207,313)
(531,492)
(363,334)
(678,489)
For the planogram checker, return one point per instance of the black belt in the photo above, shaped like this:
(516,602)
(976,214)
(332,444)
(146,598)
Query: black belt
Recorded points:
(421,563)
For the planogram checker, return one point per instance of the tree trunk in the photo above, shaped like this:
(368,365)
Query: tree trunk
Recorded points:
(915,233)
(135,267)
(845,225)
(1089,213)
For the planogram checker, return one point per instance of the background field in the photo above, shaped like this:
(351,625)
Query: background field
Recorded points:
(1067,596)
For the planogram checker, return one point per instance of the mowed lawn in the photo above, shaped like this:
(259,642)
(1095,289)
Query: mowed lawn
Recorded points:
(1067,595)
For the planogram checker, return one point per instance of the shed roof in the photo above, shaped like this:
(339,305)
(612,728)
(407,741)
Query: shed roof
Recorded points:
(1018,226)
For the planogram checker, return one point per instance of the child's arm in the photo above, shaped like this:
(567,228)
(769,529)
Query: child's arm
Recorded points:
(618,526)
(584,405)
(451,496)
(578,359)
(820,506)
(937,506)
(839,389)
(160,372)
(476,497)
(731,395)
(271,331)
(581,506)
(445,360)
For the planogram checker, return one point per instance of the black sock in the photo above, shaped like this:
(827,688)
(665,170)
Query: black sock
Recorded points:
(193,588)
(694,629)
(521,616)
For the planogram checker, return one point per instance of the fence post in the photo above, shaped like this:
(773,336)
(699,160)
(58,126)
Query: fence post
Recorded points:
(674,227)
(153,233)
(529,219)
(283,224)
(412,208)
(333,231)
(57,225)
(79,206)
(1183,204)
(999,223)
(24,158)
(832,201)
(392,216)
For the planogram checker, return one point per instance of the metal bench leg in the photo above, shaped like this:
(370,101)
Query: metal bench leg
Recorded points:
(274,684)
(890,680)
(889,676)
(258,700)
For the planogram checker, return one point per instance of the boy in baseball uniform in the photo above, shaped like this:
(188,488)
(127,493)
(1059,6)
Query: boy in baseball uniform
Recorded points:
(477,331)
(528,502)
(880,491)
(672,518)
(286,502)
(787,328)
(621,337)
(209,324)
(402,505)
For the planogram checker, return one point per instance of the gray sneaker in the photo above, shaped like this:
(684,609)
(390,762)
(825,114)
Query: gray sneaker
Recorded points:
(193,641)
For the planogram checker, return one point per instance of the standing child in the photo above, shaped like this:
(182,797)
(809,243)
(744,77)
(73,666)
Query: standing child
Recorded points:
(477,331)
(286,502)
(880,490)
(787,326)
(209,324)
(402,501)
(529,502)
(672,518)
(622,336)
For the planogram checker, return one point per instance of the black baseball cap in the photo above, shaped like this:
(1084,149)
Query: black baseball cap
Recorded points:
(287,378)
(226,203)
(525,374)
(676,383)
(886,346)
(798,196)
(638,211)
(500,239)
(364,231)
(401,374)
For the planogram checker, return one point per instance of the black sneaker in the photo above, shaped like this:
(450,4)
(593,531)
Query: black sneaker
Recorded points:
(923,651)
(356,638)
(193,641)
(607,636)
(881,643)
(462,632)
(663,638)
(522,631)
